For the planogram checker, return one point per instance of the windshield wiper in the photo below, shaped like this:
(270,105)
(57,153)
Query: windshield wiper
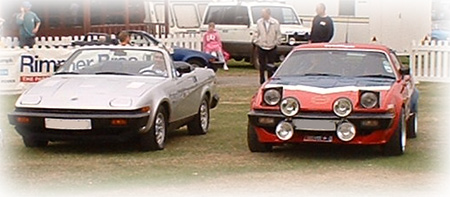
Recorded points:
(378,76)
(67,73)
(112,73)
(322,74)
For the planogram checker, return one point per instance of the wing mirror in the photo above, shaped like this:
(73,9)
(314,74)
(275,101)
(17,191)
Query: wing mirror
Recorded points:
(183,67)
(405,71)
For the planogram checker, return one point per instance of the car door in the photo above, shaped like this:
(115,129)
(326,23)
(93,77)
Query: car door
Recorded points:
(184,100)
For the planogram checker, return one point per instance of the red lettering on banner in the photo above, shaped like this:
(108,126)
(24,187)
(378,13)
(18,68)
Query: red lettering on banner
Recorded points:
(32,79)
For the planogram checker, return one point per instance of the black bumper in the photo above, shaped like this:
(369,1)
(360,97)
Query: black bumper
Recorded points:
(101,127)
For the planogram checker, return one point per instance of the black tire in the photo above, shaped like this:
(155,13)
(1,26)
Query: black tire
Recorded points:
(196,63)
(254,58)
(397,144)
(412,126)
(200,124)
(155,139)
(33,143)
(253,143)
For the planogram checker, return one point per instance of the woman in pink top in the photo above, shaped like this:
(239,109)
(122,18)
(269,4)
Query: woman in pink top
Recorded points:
(213,45)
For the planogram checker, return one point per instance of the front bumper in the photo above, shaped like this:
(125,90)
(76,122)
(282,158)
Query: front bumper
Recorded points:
(101,124)
(364,134)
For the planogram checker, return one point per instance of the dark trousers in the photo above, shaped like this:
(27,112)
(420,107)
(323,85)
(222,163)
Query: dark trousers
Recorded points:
(26,41)
(266,60)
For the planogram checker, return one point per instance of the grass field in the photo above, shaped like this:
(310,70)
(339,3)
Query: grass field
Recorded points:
(220,163)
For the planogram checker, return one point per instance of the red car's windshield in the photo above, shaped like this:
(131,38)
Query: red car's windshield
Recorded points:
(337,63)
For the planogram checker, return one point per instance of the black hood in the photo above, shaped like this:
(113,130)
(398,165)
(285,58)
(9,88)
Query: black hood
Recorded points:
(332,82)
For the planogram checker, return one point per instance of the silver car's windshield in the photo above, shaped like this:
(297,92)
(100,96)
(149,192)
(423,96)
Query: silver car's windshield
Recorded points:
(337,63)
(115,62)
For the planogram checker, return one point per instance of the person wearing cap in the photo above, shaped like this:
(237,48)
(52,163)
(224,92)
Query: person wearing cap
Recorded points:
(29,24)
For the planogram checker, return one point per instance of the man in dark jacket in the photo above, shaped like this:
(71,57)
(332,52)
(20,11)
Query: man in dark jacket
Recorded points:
(322,27)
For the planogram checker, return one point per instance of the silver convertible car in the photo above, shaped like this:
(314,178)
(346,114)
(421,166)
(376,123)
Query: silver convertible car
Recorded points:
(116,93)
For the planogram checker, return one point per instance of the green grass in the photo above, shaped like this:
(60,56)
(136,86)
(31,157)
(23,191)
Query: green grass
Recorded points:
(222,152)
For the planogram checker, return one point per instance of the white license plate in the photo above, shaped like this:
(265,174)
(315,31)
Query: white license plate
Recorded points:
(68,124)
(317,138)
(314,125)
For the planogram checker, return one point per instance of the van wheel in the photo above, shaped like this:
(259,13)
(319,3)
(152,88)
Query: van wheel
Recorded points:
(254,58)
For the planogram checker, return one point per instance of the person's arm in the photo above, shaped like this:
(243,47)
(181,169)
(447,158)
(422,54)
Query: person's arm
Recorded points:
(330,30)
(36,29)
(19,17)
(278,33)
(219,40)
(256,33)
(311,34)
(38,24)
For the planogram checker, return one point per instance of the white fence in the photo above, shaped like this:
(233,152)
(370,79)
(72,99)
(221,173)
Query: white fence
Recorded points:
(190,41)
(429,61)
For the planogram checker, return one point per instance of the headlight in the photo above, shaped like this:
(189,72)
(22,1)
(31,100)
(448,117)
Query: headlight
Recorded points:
(289,106)
(342,107)
(346,131)
(369,100)
(30,100)
(284,131)
(272,96)
(120,102)
(291,41)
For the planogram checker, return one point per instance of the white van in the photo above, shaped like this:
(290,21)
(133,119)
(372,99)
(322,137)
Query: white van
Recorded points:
(236,23)
(184,17)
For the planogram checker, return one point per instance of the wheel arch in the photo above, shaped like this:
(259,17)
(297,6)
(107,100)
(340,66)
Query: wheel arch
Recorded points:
(197,58)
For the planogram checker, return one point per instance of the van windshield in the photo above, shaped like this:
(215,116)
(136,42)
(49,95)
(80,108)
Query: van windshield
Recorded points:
(227,15)
(284,15)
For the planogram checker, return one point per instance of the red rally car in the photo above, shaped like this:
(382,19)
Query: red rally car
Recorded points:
(336,93)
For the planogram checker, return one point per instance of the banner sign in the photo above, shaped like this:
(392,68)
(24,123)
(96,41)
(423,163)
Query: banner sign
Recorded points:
(20,68)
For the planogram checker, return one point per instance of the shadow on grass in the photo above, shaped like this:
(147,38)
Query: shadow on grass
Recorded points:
(328,151)
(107,147)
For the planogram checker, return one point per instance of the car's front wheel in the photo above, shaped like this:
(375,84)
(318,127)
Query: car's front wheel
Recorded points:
(155,139)
(412,126)
(32,143)
(253,143)
(397,144)
(200,124)
(196,63)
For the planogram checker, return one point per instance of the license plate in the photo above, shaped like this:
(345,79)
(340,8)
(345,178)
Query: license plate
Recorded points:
(317,138)
(314,125)
(68,124)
